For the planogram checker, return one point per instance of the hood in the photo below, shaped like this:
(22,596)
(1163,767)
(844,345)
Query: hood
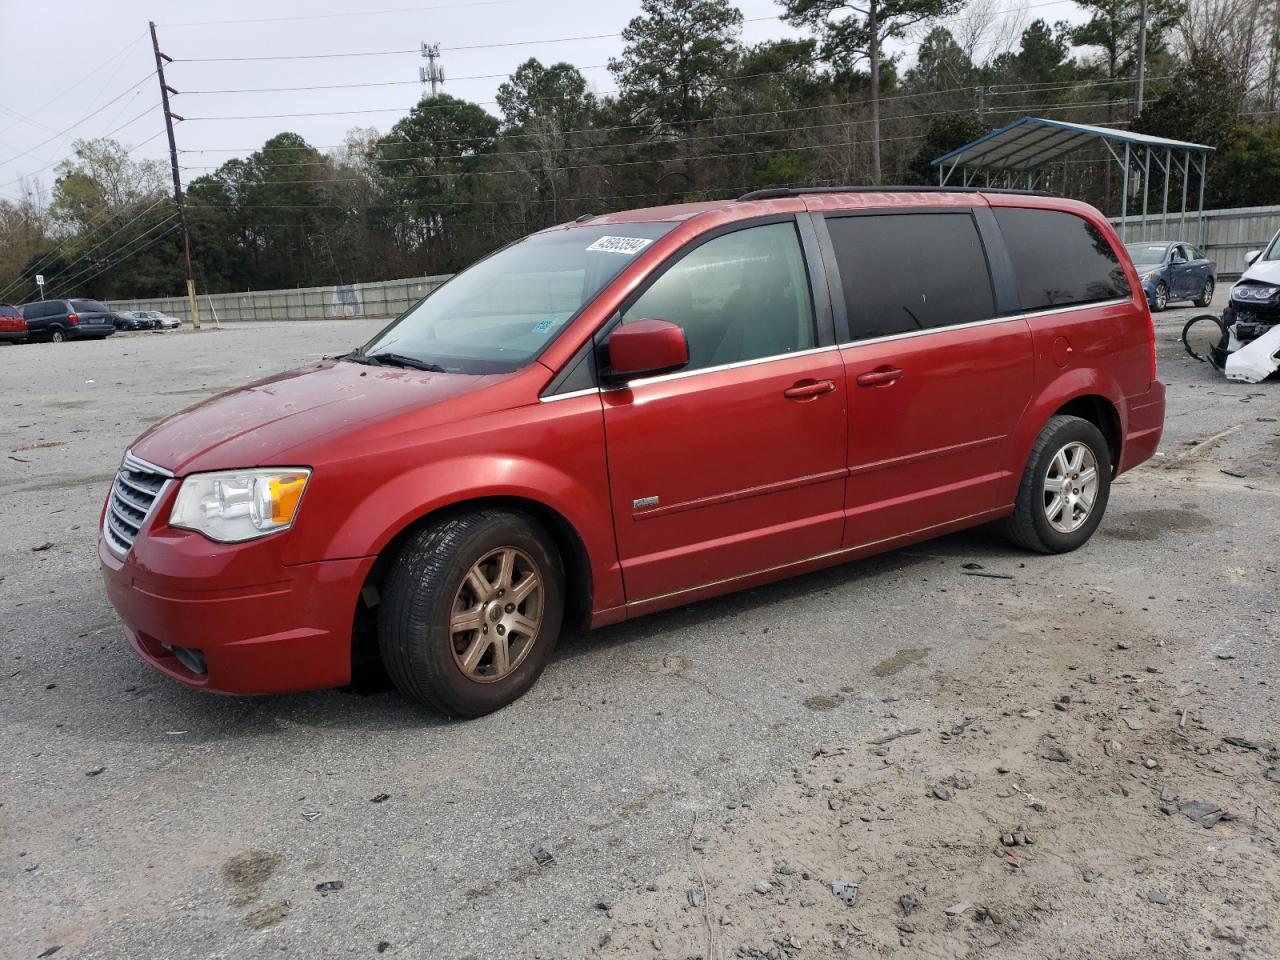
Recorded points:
(285,420)
(1264,271)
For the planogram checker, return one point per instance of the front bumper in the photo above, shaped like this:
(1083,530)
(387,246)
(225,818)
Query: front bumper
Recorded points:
(286,632)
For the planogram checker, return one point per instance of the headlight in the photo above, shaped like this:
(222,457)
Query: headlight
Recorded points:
(1253,292)
(238,505)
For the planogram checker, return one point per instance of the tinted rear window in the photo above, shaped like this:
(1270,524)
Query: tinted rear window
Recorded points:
(88,306)
(915,271)
(1059,259)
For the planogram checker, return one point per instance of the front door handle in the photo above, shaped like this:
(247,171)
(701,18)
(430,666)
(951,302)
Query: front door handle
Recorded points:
(808,389)
(879,377)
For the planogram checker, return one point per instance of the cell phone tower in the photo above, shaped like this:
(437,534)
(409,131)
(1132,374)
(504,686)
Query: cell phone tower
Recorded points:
(433,72)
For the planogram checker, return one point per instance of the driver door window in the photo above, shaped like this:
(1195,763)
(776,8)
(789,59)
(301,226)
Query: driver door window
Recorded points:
(740,296)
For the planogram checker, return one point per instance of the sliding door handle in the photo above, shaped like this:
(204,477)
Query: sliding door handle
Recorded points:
(879,377)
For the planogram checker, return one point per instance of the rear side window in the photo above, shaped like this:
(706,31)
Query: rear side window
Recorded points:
(88,306)
(1059,259)
(9,312)
(913,271)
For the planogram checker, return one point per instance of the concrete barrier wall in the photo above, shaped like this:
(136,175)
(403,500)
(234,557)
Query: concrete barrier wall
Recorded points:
(1225,235)
(386,298)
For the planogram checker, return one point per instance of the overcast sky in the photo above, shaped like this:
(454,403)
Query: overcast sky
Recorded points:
(72,65)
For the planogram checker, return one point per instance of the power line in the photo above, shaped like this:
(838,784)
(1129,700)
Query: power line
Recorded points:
(93,224)
(82,119)
(396,53)
(334,16)
(79,277)
(629,163)
(647,126)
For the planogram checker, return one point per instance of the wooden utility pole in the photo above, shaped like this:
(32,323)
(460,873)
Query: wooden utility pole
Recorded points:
(165,90)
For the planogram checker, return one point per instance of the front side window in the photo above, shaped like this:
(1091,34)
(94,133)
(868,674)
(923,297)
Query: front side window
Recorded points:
(740,296)
(1059,259)
(907,272)
(498,315)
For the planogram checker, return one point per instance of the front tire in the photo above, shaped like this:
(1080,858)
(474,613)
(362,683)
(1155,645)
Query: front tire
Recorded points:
(1064,490)
(1206,294)
(471,611)
(1161,299)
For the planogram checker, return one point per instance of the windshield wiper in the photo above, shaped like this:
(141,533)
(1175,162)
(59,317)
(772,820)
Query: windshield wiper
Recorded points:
(394,360)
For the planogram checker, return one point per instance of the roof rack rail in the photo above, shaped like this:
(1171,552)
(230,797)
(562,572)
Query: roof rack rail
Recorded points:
(774,193)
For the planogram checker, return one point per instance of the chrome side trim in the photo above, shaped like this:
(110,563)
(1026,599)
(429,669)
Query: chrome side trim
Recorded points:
(570,395)
(737,364)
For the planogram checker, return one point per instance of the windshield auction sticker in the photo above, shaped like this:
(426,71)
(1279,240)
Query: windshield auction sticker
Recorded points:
(627,246)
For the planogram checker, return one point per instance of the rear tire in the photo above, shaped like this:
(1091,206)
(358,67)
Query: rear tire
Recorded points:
(1059,466)
(450,636)
(1206,294)
(57,336)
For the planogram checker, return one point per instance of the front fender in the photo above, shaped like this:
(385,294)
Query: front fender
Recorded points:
(551,455)
(1068,385)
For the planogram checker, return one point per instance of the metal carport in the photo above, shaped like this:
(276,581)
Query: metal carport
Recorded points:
(1015,156)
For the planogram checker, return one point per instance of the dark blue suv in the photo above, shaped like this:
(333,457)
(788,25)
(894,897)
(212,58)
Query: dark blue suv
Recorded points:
(59,320)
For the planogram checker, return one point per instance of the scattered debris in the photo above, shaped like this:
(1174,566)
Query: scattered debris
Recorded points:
(696,897)
(542,856)
(1204,813)
(889,737)
(311,816)
(1157,896)
(47,545)
(957,909)
(330,886)
(762,886)
(95,771)
(847,892)
(50,952)
(1233,473)
(1262,746)
(908,903)
(380,798)
(989,576)
(941,792)
(1056,754)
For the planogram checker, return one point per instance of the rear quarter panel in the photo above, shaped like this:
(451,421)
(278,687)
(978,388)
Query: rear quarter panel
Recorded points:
(1092,350)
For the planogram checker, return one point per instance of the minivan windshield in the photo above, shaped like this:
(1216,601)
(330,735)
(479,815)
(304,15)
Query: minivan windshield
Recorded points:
(1147,253)
(498,315)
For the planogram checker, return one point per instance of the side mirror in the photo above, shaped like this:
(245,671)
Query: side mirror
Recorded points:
(646,348)
(1251,256)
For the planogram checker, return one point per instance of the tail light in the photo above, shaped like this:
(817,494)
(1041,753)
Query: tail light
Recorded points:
(73,319)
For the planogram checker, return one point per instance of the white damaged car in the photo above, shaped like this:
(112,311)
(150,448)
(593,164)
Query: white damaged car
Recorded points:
(1250,351)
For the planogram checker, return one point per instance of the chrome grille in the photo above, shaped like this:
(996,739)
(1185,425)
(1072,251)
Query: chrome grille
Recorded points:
(137,487)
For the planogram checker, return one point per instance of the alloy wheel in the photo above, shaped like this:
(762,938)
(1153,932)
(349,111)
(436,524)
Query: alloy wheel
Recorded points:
(1070,487)
(1162,296)
(1207,295)
(496,614)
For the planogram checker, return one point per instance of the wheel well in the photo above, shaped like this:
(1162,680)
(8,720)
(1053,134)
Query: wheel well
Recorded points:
(1098,411)
(573,553)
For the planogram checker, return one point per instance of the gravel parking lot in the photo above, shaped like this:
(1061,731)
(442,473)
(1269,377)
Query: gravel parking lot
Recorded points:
(654,759)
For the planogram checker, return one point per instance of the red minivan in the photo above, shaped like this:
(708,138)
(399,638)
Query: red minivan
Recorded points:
(631,412)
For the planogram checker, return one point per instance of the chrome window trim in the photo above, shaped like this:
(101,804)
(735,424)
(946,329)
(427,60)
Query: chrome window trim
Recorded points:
(910,334)
(584,392)
(737,364)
